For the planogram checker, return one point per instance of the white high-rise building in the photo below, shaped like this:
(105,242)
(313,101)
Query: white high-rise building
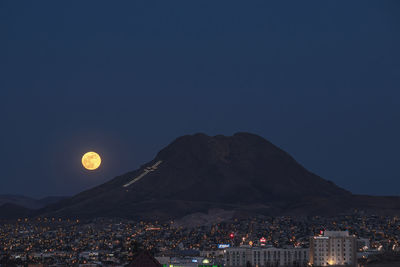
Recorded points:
(333,248)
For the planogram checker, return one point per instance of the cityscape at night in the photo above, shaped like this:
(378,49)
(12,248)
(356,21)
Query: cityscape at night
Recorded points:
(112,242)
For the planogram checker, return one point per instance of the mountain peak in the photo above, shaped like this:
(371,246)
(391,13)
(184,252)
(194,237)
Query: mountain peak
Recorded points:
(200,172)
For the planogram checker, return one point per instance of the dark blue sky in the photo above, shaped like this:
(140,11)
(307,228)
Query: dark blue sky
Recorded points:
(319,79)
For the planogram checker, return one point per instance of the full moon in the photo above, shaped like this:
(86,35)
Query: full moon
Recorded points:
(91,160)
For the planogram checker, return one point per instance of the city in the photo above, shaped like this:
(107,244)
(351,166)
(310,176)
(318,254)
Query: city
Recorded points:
(111,242)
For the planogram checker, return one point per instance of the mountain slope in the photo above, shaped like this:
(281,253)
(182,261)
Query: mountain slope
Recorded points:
(197,173)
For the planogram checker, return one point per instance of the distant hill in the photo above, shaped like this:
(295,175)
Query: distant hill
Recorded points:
(16,206)
(13,211)
(22,201)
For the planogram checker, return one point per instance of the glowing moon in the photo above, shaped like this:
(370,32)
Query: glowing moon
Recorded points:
(91,160)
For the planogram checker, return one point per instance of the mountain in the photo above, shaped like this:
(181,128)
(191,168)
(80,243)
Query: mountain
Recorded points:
(243,173)
(16,206)
(22,201)
(13,211)
(28,202)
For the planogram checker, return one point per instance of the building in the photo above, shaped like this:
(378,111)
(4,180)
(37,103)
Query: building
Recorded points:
(333,248)
(266,256)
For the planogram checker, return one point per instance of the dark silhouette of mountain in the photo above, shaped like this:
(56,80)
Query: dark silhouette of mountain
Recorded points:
(28,202)
(22,201)
(13,211)
(196,173)
(16,206)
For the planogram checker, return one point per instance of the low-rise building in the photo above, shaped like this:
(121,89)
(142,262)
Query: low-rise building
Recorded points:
(266,256)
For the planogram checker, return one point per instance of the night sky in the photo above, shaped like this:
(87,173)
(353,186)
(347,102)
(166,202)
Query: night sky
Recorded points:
(319,79)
